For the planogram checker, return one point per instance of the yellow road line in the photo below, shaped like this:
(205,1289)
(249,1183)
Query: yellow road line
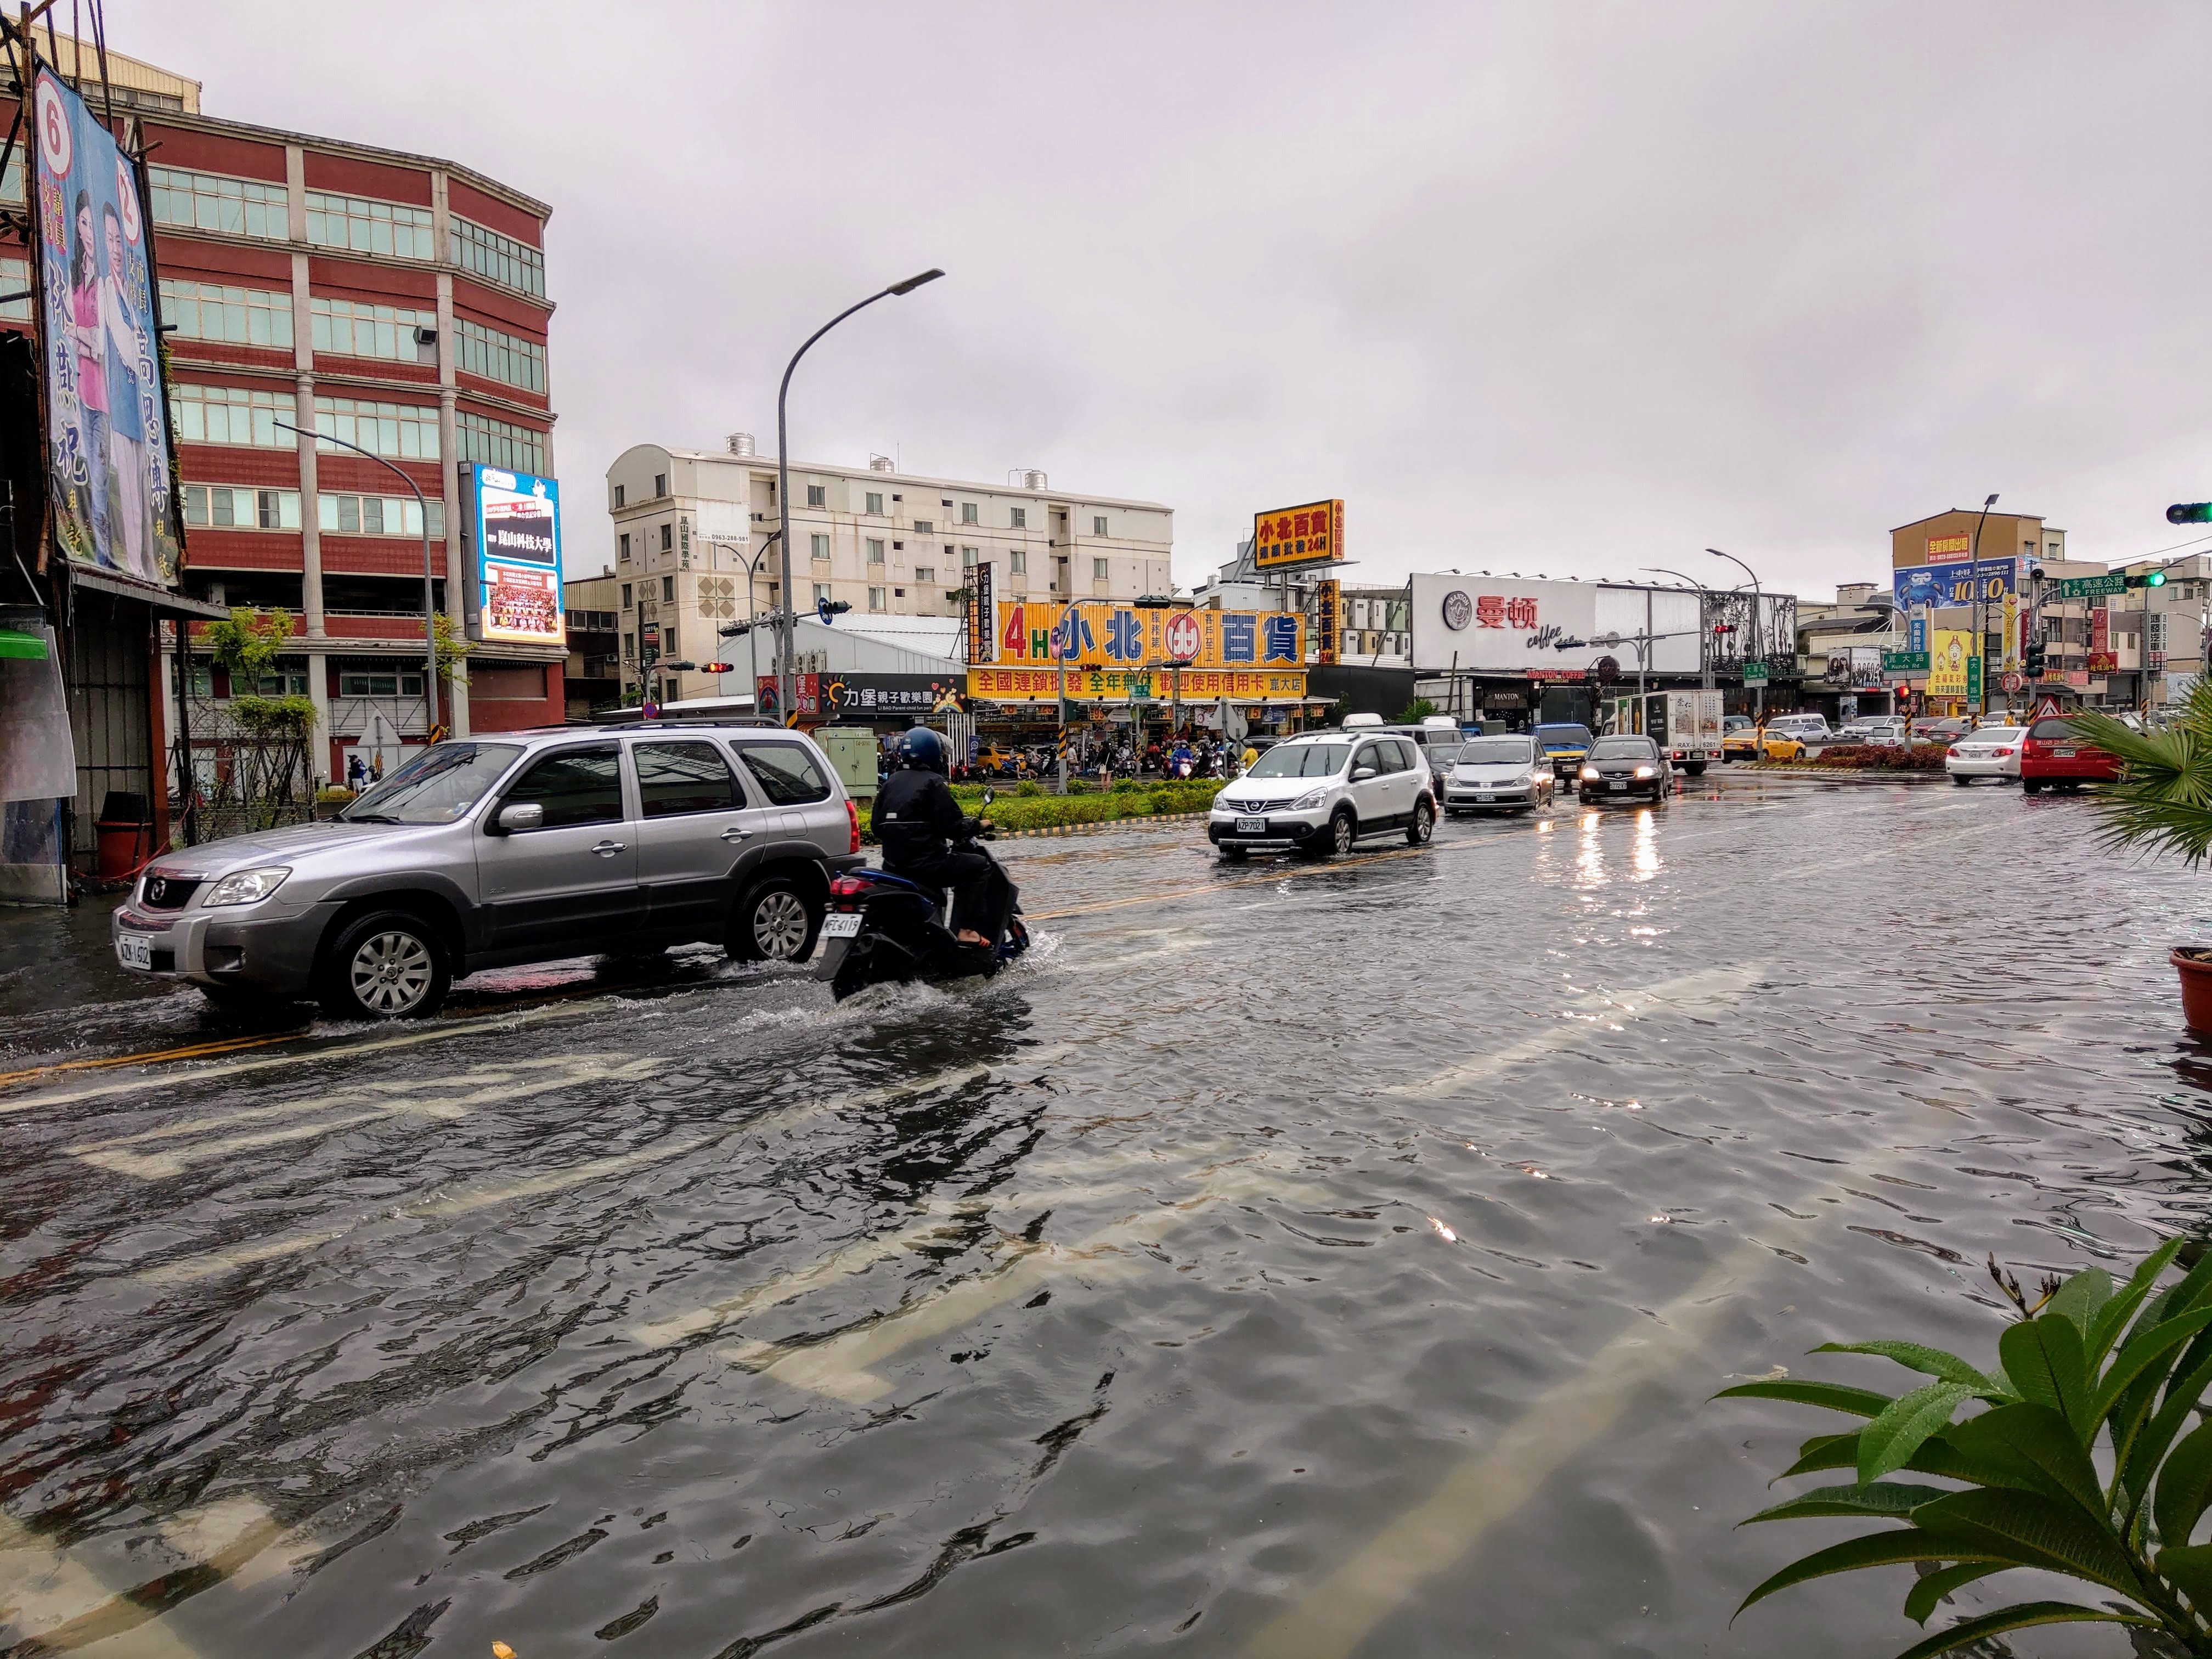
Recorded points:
(193,1051)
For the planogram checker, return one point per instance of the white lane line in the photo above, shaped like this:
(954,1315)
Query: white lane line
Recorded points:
(840,1367)
(1896,850)
(191,1074)
(492,1085)
(190,1269)
(1711,991)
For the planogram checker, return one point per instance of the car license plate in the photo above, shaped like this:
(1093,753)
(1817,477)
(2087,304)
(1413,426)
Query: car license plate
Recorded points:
(134,951)
(1251,826)
(1616,787)
(846,923)
(1486,797)
(2061,754)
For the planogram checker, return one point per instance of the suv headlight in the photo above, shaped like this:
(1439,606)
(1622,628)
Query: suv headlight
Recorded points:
(1647,771)
(1590,774)
(1310,800)
(248,886)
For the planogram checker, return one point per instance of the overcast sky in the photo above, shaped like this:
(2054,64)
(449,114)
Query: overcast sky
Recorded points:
(1545,286)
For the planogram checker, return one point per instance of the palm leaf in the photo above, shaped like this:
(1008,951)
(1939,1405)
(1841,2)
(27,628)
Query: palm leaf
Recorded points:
(1876,1549)
(2031,1448)
(2021,1617)
(2163,801)
(1930,1588)
(1932,1362)
(1889,1442)
(2029,1530)
(2111,1318)
(2184,1487)
(1885,1500)
(1858,1403)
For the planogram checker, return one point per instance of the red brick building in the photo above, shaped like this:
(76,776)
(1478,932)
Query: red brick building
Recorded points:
(394,300)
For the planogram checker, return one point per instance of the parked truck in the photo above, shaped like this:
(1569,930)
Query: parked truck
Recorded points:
(1685,724)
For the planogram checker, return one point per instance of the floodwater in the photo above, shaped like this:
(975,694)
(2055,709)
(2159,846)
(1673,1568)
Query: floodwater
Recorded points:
(1285,1261)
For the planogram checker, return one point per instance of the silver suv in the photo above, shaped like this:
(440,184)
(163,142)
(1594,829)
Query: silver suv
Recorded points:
(1320,792)
(523,847)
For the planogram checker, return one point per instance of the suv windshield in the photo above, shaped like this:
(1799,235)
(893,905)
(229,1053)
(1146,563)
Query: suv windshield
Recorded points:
(1301,760)
(1496,751)
(1622,749)
(438,786)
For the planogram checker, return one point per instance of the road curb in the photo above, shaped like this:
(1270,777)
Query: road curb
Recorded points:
(1102,824)
(1853,773)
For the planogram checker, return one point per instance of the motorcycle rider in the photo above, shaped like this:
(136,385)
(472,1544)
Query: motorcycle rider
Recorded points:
(917,819)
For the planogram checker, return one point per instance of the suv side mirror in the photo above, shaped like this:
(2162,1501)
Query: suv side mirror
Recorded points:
(1360,774)
(523,815)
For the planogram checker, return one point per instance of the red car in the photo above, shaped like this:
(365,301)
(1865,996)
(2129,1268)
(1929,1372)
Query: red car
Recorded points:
(2052,756)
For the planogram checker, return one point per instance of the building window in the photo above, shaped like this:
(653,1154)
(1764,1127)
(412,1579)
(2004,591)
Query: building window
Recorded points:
(668,539)
(818,495)
(875,598)
(629,648)
(968,513)
(208,200)
(622,545)
(926,574)
(967,558)
(924,527)
(626,595)
(352,329)
(212,311)
(363,225)
(668,589)
(501,259)
(876,503)
(507,358)
(818,546)
(1017,562)
(875,550)
(221,506)
(1102,570)
(1098,526)
(397,431)
(821,593)
(659,486)
(618,495)
(16,273)
(232,414)
(498,443)
(378,515)
(380,685)
(1021,520)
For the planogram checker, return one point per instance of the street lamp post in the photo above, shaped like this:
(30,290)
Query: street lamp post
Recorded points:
(1758,626)
(430,608)
(786,633)
(752,611)
(1981,627)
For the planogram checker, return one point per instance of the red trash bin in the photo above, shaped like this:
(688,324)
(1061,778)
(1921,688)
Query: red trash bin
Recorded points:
(126,835)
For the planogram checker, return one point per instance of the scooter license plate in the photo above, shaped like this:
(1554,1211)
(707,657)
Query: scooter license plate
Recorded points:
(844,925)
(1251,826)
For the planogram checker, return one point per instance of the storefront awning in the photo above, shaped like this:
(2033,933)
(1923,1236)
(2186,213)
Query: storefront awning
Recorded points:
(22,646)
(123,588)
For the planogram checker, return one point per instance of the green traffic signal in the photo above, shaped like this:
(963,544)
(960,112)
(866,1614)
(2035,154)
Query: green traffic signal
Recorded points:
(2189,513)
(2156,579)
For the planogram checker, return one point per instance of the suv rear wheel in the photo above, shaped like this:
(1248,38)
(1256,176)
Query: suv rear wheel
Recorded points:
(1423,826)
(390,965)
(772,922)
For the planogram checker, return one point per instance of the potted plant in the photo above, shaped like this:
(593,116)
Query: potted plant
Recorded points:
(2163,803)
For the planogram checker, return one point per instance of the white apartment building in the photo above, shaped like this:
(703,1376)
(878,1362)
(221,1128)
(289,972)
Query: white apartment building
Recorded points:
(694,548)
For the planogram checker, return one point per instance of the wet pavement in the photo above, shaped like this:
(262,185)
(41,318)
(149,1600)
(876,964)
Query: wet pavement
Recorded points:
(1286,1260)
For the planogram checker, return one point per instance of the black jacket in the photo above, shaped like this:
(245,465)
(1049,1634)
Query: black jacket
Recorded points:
(914,819)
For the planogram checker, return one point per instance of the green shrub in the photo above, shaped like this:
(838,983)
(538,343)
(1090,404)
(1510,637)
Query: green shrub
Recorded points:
(1029,788)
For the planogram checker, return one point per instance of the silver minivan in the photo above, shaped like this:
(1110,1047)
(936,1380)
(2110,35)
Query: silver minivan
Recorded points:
(514,847)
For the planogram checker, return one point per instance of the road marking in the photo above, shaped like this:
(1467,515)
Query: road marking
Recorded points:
(503,1022)
(483,1086)
(192,1051)
(192,1269)
(1711,990)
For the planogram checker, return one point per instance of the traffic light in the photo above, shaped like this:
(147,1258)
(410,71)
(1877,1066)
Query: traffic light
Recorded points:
(826,608)
(2189,513)
(2148,579)
(1723,628)
(2033,658)
(716,668)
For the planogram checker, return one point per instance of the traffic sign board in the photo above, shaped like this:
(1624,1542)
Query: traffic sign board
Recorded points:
(2047,709)
(1754,673)
(2089,588)
(1905,662)
(2015,681)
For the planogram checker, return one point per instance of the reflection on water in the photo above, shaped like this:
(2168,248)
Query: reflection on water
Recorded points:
(1148,1295)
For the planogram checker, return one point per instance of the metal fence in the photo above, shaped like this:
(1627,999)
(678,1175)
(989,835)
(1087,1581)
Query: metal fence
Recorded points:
(233,786)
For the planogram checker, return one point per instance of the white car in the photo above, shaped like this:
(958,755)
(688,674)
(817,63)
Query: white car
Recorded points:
(1504,774)
(1992,751)
(1320,792)
(1805,728)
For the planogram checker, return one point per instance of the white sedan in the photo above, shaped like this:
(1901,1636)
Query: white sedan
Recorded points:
(1993,751)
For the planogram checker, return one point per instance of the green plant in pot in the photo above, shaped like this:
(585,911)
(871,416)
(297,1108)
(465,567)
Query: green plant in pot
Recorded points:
(2079,1456)
(2163,804)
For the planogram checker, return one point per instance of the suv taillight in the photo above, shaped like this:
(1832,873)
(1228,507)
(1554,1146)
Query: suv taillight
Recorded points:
(853,818)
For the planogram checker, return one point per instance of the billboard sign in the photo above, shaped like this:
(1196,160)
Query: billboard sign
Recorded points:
(1120,636)
(1290,537)
(1111,685)
(982,615)
(1956,583)
(107,419)
(1328,618)
(1949,653)
(516,520)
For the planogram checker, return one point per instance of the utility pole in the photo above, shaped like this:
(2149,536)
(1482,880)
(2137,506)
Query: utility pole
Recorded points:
(1757,622)
(1981,626)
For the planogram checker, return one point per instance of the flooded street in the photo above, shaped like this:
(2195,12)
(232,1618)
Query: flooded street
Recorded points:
(1289,1259)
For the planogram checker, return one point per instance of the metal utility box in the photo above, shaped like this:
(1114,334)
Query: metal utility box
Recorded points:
(852,751)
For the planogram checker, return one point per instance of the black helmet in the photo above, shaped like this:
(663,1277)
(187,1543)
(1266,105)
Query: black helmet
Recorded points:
(922,749)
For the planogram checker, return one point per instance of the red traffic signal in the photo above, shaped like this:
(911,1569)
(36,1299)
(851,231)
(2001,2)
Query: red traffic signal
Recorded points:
(1723,628)
(715,668)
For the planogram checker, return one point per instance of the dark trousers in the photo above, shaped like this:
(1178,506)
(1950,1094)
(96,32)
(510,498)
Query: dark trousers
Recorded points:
(981,894)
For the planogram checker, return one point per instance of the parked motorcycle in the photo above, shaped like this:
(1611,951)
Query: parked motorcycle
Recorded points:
(883,929)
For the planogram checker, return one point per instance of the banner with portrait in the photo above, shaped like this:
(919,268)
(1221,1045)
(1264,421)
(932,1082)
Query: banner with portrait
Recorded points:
(107,422)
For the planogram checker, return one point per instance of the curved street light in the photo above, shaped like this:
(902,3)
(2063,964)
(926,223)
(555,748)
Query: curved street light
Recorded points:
(1757,622)
(752,611)
(786,633)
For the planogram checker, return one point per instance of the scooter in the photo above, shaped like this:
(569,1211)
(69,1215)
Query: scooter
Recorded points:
(883,929)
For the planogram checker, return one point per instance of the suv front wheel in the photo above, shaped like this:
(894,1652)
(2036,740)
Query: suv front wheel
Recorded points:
(774,923)
(386,966)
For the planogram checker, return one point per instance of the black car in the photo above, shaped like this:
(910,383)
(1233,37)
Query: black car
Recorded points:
(1626,768)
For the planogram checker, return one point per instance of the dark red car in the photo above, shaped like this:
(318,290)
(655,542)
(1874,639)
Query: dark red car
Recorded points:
(2053,756)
